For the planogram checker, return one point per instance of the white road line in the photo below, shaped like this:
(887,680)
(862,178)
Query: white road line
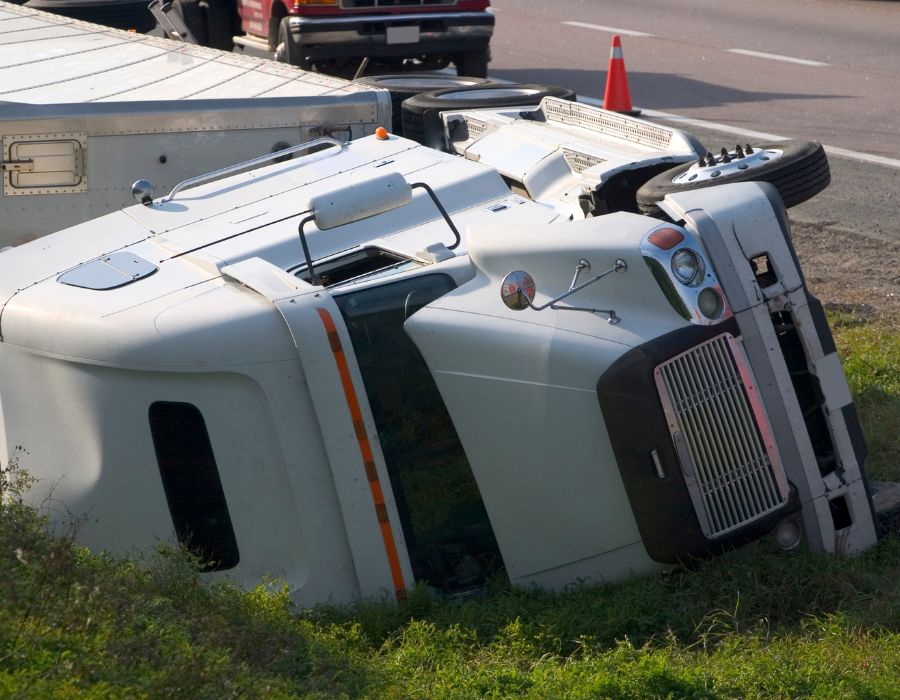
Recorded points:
(777,57)
(867,157)
(611,30)
(749,133)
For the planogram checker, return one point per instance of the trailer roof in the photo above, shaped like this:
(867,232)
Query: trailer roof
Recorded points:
(46,58)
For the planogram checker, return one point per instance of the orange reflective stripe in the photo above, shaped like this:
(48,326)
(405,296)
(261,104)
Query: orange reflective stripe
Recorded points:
(365,450)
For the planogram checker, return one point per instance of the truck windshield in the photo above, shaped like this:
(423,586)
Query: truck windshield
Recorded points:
(448,534)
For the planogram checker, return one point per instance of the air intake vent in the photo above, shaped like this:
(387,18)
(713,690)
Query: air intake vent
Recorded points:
(476,127)
(722,435)
(579,162)
(608,123)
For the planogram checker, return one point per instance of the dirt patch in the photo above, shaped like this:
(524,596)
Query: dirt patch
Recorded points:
(849,271)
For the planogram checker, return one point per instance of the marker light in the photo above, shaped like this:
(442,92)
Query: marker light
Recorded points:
(381,133)
(666,238)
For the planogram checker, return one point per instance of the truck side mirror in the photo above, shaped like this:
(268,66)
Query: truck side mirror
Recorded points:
(517,290)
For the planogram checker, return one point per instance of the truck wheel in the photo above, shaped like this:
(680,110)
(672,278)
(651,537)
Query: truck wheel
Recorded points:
(193,17)
(403,86)
(288,50)
(797,169)
(421,114)
(219,25)
(473,63)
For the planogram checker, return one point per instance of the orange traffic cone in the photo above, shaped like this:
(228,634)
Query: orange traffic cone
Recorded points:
(617,98)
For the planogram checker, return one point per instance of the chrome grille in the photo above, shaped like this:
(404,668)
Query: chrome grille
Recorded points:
(722,435)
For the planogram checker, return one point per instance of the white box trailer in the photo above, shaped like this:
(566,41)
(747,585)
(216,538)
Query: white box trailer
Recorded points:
(382,363)
(86,110)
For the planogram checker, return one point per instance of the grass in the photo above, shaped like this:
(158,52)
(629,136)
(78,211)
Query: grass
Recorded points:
(870,352)
(756,623)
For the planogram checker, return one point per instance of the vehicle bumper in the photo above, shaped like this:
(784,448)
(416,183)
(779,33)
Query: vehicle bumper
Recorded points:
(392,34)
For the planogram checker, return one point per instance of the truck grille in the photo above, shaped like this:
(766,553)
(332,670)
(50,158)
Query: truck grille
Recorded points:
(722,435)
(362,4)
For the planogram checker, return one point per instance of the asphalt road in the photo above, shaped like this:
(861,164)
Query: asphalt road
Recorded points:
(823,70)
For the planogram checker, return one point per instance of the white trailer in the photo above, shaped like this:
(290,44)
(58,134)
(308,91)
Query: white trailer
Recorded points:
(381,363)
(86,110)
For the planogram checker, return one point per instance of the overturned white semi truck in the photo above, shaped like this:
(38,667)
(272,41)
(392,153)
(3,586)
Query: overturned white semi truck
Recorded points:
(381,363)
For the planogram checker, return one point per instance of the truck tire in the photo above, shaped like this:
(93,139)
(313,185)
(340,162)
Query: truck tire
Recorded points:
(288,50)
(219,24)
(194,19)
(421,114)
(473,63)
(797,169)
(402,86)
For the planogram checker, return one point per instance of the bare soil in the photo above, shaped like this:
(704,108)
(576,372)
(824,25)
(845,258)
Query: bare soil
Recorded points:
(849,271)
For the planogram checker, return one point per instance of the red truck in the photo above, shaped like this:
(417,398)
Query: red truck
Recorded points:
(429,33)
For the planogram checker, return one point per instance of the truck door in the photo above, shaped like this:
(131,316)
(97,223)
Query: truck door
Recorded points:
(397,463)
(448,534)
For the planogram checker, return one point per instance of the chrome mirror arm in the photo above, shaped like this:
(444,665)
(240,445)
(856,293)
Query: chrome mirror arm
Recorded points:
(619,266)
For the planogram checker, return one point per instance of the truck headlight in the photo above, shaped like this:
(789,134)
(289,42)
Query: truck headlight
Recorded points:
(686,266)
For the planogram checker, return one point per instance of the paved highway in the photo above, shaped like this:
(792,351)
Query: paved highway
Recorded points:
(823,70)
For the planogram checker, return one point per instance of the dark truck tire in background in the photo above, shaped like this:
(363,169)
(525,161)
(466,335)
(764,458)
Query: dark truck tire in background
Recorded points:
(213,23)
(402,86)
(192,16)
(287,50)
(474,63)
(421,114)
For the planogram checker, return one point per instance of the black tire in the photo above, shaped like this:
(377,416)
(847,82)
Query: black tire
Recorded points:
(287,50)
(473,63)
(194,18)
(421,113)
(797,169)
(402,86)
(219,24)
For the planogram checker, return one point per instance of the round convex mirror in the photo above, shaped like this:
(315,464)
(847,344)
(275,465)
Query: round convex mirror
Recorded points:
(517,290)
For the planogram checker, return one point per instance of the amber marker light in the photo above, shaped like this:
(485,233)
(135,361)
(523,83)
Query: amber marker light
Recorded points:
(666,238)
(381,133)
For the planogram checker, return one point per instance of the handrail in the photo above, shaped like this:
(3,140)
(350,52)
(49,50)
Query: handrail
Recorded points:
(214,175)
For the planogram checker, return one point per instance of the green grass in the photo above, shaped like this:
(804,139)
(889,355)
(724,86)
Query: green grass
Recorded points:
(756,623)
(870,352)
